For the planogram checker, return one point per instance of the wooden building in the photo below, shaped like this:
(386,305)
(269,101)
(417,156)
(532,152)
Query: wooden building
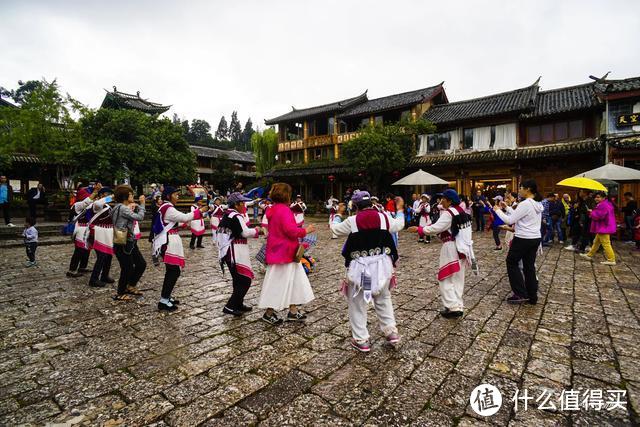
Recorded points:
(244,163)
(310,139)
(494,142)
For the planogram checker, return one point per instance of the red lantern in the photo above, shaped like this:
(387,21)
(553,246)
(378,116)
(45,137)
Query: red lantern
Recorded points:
(331,178)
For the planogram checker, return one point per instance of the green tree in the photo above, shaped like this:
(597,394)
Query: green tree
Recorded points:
(235,130)
(42,126)
(222,134)
(129,144)
(265,148)
(379,150)
(247,132)
(199,131)
(223,173)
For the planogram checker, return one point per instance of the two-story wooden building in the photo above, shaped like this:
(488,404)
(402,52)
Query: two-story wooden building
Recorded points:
(493,142)
(310,139)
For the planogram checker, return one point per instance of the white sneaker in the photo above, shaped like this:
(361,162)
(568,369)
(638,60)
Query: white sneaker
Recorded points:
(10,225)
(587,257)
(608,263)
(570,248)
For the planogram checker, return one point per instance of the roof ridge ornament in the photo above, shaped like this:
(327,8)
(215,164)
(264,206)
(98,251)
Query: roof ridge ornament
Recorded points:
(536,83)
(600,79)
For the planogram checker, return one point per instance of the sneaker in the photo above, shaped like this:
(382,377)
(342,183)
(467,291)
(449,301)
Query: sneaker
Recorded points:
(608,263)
(73,274)
(393,339)
(561,242)
(450,314)
(227,310)
(297,317)
(246,308)
(29,263)
(167,307)
(361,346)
(570,248)
(108,280)
(273,319)
(587,257)
(516,299)
(98,284)
(497,248)
(174,301)
(420,240)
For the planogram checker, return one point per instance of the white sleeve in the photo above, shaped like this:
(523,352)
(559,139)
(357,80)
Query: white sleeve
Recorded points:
(443,224)
(99,204)
(396,224)
(343,228)
(174,215)
(246,231)
(82,205)
(515,215)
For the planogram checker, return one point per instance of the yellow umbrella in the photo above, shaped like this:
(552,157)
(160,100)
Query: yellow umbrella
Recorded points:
(581,182)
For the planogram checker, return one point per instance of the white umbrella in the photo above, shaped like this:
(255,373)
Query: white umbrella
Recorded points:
(420,178)
(612,172)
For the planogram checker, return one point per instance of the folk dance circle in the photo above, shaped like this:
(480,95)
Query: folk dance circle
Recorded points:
(107,221)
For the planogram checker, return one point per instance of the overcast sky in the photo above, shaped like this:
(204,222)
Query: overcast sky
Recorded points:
(208,58)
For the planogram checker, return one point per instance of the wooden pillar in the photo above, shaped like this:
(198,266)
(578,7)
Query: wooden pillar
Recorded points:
(336,151)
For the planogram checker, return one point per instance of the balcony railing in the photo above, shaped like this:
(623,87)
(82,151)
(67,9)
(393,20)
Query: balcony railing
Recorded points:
(316,141)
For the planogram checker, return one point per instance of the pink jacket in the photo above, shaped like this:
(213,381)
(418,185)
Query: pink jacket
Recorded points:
(603,218)
(282,240)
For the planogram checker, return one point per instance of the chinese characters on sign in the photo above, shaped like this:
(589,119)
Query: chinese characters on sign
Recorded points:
(486,400)
(632,119)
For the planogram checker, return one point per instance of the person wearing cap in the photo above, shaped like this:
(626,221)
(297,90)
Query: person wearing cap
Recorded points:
(81,214)
(168,244)
(298,207)
(197,225)
(454,228)
(285,283)
(370,255)
(233,251)
(101,238)
(216,211)
(424,213)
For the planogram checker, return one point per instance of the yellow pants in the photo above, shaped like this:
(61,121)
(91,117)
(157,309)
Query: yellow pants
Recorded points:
(603,240)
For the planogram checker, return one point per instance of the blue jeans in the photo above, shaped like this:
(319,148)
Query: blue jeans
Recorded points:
(553,226)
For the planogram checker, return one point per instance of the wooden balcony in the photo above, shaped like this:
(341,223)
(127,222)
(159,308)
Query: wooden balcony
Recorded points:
(316,141)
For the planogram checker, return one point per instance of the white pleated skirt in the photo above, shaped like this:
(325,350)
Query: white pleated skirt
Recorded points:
(285,285)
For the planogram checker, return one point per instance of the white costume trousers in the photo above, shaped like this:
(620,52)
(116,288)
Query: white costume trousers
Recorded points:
(358,313)
(452,288)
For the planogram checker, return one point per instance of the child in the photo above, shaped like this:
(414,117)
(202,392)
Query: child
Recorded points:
(30,235)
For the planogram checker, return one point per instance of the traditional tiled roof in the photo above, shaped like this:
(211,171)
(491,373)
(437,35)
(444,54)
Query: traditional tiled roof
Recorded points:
(393,101)
(215,153)
(307,170)
(512,102)
(564,99)
(118,99)
(25,158)
(591,145)
(6,103)
(605,86)
(631,141)
(320,109)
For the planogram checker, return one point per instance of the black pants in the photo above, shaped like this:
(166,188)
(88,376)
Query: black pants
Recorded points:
(241,286)
(32,208)
(6,213)
(496,236)
(79,259)
(195,239)
(586,237)
(479,219)
(524,250)
(31,250)
(170,278)
(132,265)
(101,268)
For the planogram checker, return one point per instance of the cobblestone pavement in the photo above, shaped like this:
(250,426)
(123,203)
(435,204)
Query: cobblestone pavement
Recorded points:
(69,353)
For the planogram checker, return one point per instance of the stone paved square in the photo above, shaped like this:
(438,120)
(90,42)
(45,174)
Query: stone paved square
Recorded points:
(70,354)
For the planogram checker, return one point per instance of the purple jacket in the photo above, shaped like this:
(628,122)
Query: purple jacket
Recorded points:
(603,218)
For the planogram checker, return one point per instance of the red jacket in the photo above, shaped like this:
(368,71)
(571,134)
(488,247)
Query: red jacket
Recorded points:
(282,240)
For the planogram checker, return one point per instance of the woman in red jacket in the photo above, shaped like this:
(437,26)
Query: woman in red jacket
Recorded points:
(285,282)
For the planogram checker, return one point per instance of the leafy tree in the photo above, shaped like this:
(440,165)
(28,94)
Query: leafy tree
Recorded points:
(42,126)
(120,144)
(199,130)
(235,130)
(222,134)
(380,150)
(265,148)
(247,132)
(223,173)
(185,129)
